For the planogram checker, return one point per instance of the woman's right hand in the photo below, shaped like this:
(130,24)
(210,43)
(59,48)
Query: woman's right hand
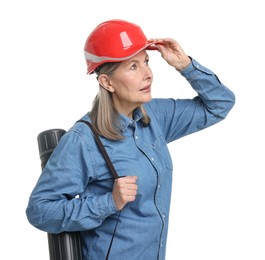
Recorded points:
(172,52)
(124,191)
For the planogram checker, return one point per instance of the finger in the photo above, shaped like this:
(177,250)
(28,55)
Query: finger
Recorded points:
(130,179)
(131,198)
(131,193)
(131,190)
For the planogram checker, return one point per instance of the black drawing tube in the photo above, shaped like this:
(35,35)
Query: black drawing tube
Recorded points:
(66,245)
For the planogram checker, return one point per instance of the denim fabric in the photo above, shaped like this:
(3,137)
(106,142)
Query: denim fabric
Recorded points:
(76,170)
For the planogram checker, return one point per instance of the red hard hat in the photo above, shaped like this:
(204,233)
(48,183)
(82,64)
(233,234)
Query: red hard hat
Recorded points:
(113,41)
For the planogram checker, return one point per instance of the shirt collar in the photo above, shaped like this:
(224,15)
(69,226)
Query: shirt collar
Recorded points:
(125,122)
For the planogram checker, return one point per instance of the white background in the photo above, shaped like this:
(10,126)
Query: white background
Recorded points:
(217,209)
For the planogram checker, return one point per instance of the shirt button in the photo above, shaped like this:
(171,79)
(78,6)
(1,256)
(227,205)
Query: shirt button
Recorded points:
(152,158)
(136,137)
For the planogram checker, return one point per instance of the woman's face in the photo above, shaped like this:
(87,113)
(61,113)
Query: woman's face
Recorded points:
(131,83)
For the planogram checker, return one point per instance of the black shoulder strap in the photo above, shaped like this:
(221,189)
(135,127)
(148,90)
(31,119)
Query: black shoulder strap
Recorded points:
(102,148)
(112,169)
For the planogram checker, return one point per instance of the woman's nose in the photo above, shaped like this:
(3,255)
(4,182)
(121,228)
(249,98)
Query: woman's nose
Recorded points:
(148,73)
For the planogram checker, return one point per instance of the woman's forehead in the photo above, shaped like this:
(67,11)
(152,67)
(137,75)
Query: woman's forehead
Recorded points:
(142,55)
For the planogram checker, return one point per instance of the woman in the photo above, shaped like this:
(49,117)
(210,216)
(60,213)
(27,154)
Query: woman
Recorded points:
(76,191)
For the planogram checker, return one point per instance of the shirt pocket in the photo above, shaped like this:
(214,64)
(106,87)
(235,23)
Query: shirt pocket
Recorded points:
(162,152)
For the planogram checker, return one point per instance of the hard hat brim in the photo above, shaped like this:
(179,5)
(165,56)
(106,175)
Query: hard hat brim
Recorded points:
(97,61)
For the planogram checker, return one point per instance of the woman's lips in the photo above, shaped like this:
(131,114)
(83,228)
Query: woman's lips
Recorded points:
(147,88)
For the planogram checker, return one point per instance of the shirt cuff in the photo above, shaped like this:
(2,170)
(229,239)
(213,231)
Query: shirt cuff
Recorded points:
(106,205)
(194,68)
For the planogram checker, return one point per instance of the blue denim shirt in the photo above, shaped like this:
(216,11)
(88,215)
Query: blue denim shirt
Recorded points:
(77,170)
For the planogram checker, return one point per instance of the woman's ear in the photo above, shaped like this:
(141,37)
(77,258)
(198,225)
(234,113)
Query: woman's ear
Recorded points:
(104,82)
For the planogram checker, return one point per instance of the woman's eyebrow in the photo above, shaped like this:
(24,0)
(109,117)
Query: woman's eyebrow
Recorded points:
(146,57)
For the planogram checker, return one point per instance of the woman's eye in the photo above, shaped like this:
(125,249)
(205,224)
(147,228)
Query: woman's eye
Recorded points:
(147,62)
(133,67)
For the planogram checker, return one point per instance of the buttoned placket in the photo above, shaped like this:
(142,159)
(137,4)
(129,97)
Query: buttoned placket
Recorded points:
(152,159)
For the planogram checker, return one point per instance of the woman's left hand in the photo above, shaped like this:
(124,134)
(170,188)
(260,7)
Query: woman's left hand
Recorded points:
(172,52)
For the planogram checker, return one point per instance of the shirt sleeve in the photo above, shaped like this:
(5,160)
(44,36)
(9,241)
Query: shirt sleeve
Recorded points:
(181,117)
(55,205)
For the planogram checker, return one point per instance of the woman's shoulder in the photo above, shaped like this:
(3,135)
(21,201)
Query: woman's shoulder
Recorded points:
(80,129)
